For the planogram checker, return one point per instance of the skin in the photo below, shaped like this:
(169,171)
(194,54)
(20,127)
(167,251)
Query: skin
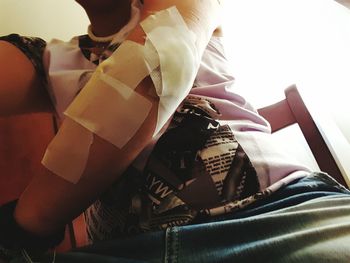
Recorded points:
(49,202)
(19,95)
(106,16)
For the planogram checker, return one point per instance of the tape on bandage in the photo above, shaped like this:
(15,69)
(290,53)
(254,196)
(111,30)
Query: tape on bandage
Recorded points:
(68,153)
(110,109)
(167,33)
(109,106)
(130,63)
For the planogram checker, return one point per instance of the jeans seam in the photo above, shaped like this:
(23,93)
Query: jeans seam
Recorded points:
(171,245)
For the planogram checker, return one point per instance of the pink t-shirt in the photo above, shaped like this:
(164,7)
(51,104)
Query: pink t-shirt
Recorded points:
(68,70)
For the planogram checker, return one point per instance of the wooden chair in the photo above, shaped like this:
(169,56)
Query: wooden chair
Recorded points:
(23,140)
(292,110)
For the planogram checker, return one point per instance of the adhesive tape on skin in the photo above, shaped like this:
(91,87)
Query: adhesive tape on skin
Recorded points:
(67,154)
(128,64)
(155,75)
(166,18)
(108,105)
(179,61)
(109,109)
(114,116)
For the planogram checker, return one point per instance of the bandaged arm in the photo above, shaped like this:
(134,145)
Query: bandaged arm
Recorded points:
(50,201)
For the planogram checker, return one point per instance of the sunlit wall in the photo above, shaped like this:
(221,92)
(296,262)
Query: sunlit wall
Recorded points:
(45,18)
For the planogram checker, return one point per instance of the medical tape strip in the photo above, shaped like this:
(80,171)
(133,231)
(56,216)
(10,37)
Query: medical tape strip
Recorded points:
(69,159)
(114,116)
(155,75)
(169,35)
(93,111)
(108,105)
(128,63)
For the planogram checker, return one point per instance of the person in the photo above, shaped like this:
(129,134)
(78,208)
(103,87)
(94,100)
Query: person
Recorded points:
(213,171)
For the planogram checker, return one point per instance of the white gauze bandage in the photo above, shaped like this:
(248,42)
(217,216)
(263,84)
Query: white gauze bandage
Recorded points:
(168,34)
(109,106)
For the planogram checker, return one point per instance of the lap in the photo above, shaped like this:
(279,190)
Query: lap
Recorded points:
(311,228)
(313,231)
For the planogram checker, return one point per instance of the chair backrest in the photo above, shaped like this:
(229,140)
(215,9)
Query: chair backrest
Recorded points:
(293,110)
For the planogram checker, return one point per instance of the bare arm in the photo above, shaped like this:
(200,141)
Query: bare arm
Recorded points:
(49,201)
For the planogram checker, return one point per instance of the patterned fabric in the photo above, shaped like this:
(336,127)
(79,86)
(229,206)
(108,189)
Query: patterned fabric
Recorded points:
(197,165)
(92,52)
(33,48)
(196,169)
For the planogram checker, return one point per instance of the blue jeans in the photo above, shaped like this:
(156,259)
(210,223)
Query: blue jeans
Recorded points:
(306,221)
